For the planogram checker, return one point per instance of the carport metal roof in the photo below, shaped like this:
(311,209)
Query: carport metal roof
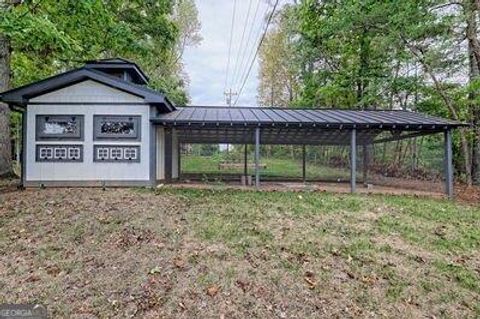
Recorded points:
(202,124)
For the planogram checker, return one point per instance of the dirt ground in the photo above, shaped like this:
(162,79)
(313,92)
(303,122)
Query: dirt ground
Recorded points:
(174,253)
(403,187)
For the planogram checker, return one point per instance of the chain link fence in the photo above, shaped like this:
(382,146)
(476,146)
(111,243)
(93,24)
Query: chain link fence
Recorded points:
(415,163)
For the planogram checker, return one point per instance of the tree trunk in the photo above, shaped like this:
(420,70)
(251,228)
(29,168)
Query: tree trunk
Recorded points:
(5,142)
(451,108)
(414,155)
(474,65)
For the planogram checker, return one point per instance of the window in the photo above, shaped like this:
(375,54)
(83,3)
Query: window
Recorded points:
(116,127)
(74,153)
(59,153)
(102,153)
(59,127)
(45,153)
(130,153)
(116,153)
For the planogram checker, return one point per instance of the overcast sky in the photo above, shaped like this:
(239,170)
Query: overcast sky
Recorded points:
(206,64)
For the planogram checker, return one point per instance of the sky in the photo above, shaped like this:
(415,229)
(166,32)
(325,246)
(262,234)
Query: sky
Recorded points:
(206,64)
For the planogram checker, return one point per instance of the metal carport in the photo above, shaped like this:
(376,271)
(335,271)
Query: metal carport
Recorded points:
(256,125)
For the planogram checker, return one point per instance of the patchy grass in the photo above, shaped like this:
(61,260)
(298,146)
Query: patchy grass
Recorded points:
(235,254)
(274,167)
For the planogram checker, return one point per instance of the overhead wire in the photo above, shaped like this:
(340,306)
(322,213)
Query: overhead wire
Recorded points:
(246,48)
(249,70)
(251,51)
(230,44)
(240,45)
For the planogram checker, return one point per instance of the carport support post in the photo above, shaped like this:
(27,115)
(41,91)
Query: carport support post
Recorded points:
(179,160)
(448,164)
(304,171)
(168,154)
(365,164)
(353,161)
(257,158)
(245,164)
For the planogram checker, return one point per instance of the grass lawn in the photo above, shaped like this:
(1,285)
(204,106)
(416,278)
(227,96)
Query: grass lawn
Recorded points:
(168,253)
(275,167)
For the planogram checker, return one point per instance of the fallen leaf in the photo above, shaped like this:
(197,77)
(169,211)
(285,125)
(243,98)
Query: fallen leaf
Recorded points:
(53,270)
(33,278)
(155,270)
(369,280)
(212,290)
(179,262)
(350,274)
(242,285)
(311,283)
(310,279)
(441,231)
(419,259)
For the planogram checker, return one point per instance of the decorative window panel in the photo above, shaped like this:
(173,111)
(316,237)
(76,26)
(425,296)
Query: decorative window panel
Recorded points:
(59,153)
(114,127)
(116,153)
(59,127)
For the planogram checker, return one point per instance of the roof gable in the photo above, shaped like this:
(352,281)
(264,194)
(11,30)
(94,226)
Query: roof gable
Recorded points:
(22,95)
(119,66)
(87,91)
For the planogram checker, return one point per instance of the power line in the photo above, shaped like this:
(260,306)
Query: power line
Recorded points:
(261,27)
(230,45)
(256,52)
(245,48)
(241,41)
(229,96)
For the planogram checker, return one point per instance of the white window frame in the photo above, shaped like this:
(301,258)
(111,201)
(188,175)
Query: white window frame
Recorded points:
(135,119)
(42,119)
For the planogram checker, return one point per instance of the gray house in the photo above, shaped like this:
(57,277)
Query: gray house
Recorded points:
(101,125)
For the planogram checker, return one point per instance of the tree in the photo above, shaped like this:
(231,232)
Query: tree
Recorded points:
(277,85)
(471,9)
(5,145)
(411,54)
(39,38)
(185,16)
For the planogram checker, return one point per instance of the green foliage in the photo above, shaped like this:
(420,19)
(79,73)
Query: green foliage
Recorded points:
(50,36)
(408,54)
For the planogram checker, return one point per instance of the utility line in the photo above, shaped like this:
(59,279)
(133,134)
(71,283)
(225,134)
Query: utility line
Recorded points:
(236,68)
(256,52)
(257,37)
(245,49)
(230,45)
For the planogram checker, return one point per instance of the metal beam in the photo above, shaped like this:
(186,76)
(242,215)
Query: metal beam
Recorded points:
(448,164)
(365,164)
(168,154)
(24,149)
(304,171)
(257,157)
(245,163)
(153,155)
(404,136)
(353,160)
(179,160)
